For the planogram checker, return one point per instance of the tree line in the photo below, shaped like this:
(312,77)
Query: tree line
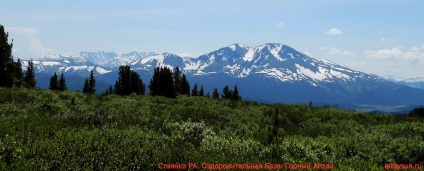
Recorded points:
(11,74)
(164,81)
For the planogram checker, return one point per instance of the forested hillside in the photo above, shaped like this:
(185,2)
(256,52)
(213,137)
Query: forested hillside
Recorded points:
(53,130)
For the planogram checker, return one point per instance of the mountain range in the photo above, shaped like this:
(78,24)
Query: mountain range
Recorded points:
(269,73)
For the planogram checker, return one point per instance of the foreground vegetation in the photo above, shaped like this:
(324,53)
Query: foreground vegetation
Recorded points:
(52,130)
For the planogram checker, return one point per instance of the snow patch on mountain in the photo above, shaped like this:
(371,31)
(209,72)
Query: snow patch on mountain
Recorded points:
(277,74)
(307,72)
(50,63)
(249,55)
(102,71)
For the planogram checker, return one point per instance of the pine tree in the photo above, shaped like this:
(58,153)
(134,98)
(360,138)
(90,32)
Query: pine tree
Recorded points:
(185,86)
(91,83)
(122,85)
(194,91)
(155,82)
(29,79)
(136,84)
(235,94)
(215,93)
(62,83)
(128,82)
(18,73)
(6,60)
(162,83)
(208,95)
(86,88)
(177,80)
(225,92)
(201,92)
(167,83)
(110,89)
(53,82)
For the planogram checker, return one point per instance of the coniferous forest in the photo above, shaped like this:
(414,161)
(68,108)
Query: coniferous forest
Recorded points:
(176,127)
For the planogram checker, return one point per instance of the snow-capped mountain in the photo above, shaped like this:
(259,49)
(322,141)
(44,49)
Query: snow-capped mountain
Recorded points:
(271,60)
(415,82)
(111,59)
(269,73)
(418,78)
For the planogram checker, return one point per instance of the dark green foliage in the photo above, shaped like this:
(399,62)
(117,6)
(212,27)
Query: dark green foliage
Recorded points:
(215,93)
(136,84)
(208,95)
(201,91)
(18,73)
(155,82)
(111,89)
(91,83)
(86,87)
(128,82)
(226,93)
(6,60)
(62,83)
(185,86)
(166,83)
(29,79)
(53,82)
(52,130)
(177,80)
(230,94)
(162,83)
(235,95)
(417,112)
(194,91)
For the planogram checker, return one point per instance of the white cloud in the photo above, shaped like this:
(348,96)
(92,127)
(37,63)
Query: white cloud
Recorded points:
(279,25)
(415,54)
(307,53)
(23,30)
(25,42)
(185,54)
(337,52)
(334,32)
(384,53)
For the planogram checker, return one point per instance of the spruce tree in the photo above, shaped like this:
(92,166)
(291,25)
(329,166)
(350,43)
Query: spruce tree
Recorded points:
(128,82)
(18,73)
(225,92)
(155,82)
(235,94)
(86,88)
(62,83)
(201,93)
(91,83)
(162,83)
(177,80)
(215,93)
(6,60)
(136,84)
(167,83)
(185,86)
(29,79)
(194,91)
(53,82)
(110,89)
(208,95)
(122,85)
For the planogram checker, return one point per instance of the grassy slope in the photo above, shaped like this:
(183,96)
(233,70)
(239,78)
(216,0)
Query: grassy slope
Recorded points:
(42,130)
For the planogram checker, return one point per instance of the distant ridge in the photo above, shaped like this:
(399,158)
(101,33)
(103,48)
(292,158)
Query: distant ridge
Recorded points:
(272,73)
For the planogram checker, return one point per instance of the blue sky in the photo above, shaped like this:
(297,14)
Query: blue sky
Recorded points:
(382,37)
